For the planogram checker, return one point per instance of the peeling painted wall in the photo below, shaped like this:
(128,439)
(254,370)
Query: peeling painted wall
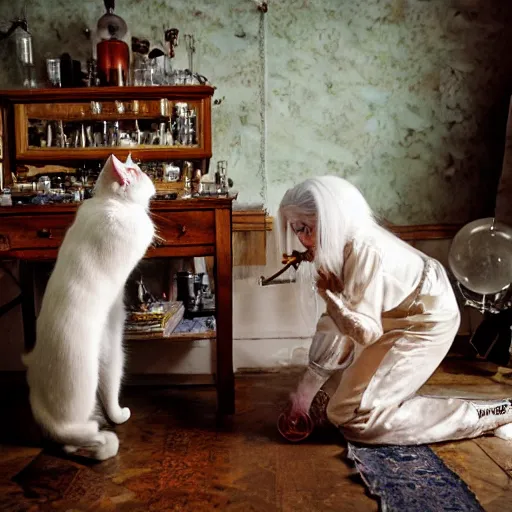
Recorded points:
(402,97)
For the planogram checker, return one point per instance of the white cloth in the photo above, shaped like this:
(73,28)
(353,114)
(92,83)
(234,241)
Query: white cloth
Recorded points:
(399,308)
(330,352)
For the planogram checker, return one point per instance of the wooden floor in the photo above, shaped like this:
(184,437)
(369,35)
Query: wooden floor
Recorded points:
(175,456)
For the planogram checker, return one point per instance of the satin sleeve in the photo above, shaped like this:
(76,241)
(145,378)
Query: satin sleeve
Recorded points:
(330,349)
(357,307)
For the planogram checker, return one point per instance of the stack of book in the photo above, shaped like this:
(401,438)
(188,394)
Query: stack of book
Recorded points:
(161,319)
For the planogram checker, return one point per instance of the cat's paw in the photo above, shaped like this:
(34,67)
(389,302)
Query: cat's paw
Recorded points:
(504,432)
(121,415)
(70,449)
(109,448)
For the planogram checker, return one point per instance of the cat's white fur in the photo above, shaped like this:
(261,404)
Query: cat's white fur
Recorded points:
(78,353)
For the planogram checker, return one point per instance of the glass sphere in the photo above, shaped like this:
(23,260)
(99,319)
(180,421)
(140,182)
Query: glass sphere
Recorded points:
(481,256)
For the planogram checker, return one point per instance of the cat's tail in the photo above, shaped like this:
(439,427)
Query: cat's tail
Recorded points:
(102,443)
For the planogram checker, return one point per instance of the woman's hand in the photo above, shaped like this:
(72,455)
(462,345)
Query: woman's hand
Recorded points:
(295,425)
(299,404)
(328,281)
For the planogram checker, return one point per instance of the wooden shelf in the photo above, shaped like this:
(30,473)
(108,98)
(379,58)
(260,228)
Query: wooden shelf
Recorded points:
(157,206)
(89,117)
(191,227)
(73,94)
(115,149)
(24,105)
(107,110)
(185,336)
(165,153)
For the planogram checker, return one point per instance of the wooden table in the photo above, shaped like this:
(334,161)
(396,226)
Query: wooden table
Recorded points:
(192,227)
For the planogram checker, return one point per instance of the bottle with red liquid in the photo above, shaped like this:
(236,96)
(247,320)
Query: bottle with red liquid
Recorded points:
(113,53)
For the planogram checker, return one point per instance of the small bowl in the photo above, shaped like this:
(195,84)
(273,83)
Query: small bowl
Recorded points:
(295,429)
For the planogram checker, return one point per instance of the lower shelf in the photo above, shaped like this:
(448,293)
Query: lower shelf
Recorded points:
(200,328)
(182,336)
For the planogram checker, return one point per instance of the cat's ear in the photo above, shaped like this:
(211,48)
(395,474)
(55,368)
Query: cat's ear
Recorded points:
(129,161)
(120,171)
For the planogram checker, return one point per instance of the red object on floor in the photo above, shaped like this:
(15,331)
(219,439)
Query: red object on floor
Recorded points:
(295,428)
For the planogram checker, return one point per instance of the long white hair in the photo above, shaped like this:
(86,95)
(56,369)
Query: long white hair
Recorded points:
(339,211)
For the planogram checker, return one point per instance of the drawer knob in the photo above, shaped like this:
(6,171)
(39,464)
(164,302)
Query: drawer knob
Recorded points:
(44,233)
(182,228)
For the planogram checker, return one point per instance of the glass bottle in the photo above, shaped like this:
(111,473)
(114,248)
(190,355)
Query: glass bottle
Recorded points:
(113,52)
(25,55)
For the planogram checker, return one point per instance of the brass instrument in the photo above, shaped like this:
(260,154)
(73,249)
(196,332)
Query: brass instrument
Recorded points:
(289,260)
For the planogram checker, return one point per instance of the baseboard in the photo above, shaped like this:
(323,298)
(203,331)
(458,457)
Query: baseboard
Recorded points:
(425,231)
(256,221)
(16,380)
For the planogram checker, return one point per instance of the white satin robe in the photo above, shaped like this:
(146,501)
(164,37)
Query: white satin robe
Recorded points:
(398,315)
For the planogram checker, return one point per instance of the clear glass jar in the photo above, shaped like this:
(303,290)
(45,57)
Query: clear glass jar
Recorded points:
(44,184)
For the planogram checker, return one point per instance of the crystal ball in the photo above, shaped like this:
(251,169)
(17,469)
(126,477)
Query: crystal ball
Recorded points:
(480,256)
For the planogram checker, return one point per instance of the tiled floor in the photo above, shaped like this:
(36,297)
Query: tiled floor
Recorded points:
(175,455)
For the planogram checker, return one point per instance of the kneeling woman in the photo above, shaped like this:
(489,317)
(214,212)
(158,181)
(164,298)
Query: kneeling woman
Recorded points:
(390,319)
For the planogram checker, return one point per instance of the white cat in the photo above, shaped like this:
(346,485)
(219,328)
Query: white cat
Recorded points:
(78,353)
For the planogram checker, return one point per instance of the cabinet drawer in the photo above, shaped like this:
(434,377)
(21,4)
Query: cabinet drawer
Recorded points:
(184,228)
(31,232)
(174,228)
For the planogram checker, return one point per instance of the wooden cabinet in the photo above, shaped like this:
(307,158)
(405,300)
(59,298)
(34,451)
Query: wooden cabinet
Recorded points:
(185,227)
(71,125)
(194,227)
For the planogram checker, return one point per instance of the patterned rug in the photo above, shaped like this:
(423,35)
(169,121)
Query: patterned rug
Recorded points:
(411,479)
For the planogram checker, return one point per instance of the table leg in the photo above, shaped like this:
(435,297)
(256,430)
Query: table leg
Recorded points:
(224,312)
